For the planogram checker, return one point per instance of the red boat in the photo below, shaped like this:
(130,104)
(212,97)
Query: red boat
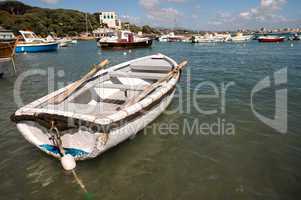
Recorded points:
(271,39)
(124,40)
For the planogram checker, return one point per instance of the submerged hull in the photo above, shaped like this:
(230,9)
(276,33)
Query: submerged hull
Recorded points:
(33,48)
(125,45)
(121,124)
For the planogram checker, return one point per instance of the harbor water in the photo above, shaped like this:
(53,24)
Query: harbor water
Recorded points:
(229,153)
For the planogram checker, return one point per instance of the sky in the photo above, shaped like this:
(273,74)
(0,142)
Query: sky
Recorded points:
(192,14)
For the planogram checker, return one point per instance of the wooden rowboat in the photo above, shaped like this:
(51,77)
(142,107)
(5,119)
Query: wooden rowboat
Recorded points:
(102,109)
(7,43)
(7,48)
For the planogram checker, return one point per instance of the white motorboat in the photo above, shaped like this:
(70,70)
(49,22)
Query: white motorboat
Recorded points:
(62,42)
(241,38)
(211,38)
(171,37)
(208,38)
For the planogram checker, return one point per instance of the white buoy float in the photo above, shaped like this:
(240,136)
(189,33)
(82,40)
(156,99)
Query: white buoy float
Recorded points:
(68,162)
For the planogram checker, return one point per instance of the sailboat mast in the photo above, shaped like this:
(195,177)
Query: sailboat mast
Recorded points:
(86,23)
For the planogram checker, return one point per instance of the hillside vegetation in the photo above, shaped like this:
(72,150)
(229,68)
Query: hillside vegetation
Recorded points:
(16,16)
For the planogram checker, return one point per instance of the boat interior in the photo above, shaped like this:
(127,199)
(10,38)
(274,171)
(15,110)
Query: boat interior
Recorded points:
(109,90)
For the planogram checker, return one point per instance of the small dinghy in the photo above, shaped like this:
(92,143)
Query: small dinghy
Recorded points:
(99,111)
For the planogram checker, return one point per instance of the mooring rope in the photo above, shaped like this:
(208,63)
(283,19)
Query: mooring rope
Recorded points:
(88,196)
(56,139)
(80,183)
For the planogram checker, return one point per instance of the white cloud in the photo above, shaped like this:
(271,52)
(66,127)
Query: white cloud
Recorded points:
(148,4)
(266,14)
(160,14)
(215,23)
(266,11)
(245,14)
(128,18)
(272,4)
(194,16)
(50,1)
(175,1)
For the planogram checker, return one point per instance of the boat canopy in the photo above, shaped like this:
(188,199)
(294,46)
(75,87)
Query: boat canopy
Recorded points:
(30,36)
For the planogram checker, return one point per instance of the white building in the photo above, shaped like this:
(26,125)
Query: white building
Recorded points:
(110,19)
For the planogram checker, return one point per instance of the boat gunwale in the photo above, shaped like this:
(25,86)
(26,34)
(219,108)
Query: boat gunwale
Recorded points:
(36,43)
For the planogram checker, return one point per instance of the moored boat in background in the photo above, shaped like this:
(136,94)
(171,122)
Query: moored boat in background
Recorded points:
(62,42)
(211,38)
(30,42)
(241,38)
(271,39)
(7,48)
(124,40)
(295,37)
(172,37)
(221,37)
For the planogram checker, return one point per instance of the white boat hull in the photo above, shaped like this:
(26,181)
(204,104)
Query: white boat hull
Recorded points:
(34,134)
(241,38)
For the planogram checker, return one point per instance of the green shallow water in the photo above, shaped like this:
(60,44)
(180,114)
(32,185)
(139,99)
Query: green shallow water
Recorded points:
(256,162)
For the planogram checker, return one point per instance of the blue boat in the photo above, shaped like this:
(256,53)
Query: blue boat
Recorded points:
(39,47)
(31,43)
